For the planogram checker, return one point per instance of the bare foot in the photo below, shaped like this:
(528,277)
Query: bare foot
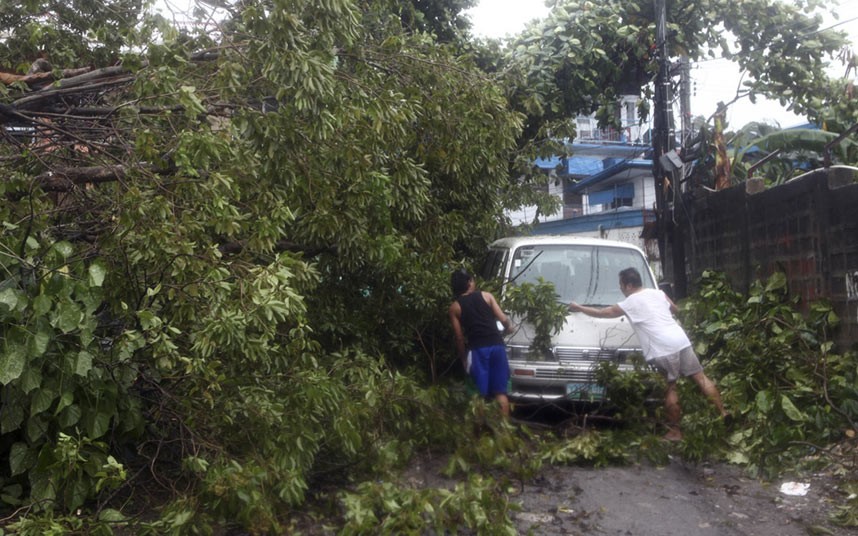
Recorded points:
(672,435)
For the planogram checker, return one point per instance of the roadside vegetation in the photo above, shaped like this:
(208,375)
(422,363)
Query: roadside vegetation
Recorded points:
(795,404)
(225,249)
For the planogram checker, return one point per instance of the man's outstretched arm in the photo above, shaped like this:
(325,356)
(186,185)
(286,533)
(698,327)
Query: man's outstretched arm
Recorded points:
(612,311)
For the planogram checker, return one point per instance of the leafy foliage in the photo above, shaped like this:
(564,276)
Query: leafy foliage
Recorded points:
(257,290)
(66,388)
(847,514)
(776,155)
(632,393)
(489,444)
(798,150)
(776,367)
(383,508)
(584,53)
(537,305)
(66,33)
(224,264)
(590,448)
(442,18)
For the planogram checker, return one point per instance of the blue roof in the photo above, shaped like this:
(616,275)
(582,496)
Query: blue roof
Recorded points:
(583,165)
(611,219)
(548,163)
(612,171)
(609,149)
(580,166)
(590,158)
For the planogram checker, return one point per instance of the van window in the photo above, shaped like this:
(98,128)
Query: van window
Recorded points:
(586,274)
(493,264)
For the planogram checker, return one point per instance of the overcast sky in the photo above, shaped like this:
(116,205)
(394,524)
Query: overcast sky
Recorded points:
(713,81)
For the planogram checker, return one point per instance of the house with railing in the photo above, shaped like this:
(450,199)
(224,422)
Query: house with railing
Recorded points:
(605,187)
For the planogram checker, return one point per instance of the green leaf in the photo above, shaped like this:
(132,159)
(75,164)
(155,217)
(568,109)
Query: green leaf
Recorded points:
(738,457)
(30,379)
(76,494)
(42,487)
(181,518)
(20,458)
(67,316)
(790,410)
(191,102)
(42,304)
(11,418)
(42,400)
(764,403)
(97,272)
(148,320)
(64,248)
(12,360)
(83,363)
(69,416)
(37,427)
(37,344)
(777,281)
(96,423)
(11,495)
(109,515)
(9,298)
(65,401)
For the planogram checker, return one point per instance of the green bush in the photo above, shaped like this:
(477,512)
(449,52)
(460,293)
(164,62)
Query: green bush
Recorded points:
(776,368)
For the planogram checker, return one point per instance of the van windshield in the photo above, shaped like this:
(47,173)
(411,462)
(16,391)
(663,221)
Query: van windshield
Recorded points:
(588,275)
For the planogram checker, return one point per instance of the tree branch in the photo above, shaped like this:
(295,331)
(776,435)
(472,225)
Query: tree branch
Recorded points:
(34,98)
(65,180)
(33,78)
(233,248)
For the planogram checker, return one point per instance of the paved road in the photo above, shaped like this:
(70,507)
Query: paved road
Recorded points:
(676,500)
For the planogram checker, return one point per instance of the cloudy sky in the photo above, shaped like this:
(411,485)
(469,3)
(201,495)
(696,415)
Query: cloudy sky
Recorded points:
(713,81)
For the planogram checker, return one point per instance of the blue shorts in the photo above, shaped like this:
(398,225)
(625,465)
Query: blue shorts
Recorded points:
(489,369)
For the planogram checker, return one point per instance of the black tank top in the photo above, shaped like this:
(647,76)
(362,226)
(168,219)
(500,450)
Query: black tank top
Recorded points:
(478,321)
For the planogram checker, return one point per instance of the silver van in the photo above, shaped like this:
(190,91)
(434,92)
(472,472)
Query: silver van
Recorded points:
(584,270)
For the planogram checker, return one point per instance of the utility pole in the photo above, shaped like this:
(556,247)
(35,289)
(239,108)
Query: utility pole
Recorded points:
(661,124)
(671,242)
(685,186)
(685,99)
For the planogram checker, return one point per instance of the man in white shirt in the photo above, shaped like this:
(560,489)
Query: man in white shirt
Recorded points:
(665,344)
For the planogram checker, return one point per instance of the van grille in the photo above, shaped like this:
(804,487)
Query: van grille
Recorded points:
(570,375)
(584,355)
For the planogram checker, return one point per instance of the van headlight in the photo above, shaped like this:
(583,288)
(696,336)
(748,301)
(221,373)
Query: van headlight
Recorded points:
(518,353)
(629,357)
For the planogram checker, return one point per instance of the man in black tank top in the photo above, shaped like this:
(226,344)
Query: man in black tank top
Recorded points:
(474,316)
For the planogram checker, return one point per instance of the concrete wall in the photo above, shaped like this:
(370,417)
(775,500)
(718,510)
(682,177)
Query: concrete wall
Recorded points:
(806,228)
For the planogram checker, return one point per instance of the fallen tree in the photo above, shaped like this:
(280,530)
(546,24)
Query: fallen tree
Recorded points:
(225,255)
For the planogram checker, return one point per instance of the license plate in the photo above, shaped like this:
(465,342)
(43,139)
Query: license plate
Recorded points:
(584,391)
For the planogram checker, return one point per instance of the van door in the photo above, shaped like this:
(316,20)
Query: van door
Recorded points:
(494,264)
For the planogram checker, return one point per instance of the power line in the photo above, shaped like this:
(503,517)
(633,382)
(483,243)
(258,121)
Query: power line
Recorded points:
(841,23)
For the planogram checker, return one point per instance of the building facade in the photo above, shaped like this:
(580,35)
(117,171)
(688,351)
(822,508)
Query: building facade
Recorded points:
(605,187)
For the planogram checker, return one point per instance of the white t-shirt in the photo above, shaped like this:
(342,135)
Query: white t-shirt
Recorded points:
(657,330)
